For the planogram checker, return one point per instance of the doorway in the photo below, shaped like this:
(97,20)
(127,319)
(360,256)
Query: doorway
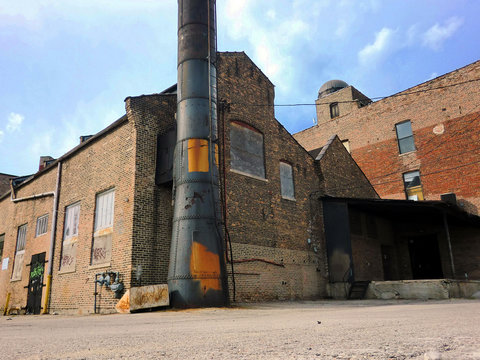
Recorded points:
(35,284)
(425,257)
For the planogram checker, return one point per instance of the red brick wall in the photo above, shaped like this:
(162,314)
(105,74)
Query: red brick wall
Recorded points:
(371,133)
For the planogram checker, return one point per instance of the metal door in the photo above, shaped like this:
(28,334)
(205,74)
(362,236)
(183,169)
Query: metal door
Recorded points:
(35,284)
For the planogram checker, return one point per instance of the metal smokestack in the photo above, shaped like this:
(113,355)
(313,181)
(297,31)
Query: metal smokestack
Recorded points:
(196,275)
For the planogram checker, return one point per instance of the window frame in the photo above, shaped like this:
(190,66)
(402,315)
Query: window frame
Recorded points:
(416,190)
(334,110)
(2,245)
(399,139)
(20,228)
(292,179)
(67,212)
(259,175)
(42,221)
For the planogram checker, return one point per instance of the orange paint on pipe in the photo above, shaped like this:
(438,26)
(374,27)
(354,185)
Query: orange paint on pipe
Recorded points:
(198,155)
(205,267)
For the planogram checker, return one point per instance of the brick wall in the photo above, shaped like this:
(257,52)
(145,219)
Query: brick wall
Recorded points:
(261,223)
(451,110)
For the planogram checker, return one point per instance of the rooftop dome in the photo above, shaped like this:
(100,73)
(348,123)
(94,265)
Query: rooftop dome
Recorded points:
(331,86)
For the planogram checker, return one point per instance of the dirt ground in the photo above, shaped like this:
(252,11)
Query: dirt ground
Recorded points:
(371,329)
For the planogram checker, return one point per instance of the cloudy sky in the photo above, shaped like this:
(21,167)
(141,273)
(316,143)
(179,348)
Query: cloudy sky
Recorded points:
(66,66)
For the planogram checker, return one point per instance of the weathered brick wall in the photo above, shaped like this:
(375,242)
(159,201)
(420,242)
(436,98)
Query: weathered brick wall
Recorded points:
(261,223)
(12,216)
(341,175)
(346,103)
(108,162)
(152,219)
(434,104)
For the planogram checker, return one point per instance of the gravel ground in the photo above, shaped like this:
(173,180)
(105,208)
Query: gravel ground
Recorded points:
(368,329)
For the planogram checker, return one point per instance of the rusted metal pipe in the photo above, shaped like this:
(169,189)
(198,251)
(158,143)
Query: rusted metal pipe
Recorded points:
(196,275)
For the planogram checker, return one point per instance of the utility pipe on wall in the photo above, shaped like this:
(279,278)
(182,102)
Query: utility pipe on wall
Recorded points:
(52,240)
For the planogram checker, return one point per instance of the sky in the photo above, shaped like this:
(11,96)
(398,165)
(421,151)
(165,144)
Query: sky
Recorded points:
(67,66)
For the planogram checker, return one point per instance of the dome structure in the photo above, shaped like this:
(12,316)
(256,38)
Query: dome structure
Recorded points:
(331,86)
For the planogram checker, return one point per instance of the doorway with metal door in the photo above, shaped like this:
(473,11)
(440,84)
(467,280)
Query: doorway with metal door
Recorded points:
(35,284)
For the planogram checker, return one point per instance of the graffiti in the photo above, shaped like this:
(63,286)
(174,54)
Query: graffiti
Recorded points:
(67,260)
(37,271)
(99,254)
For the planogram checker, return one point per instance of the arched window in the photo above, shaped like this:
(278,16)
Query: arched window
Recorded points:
(246,150)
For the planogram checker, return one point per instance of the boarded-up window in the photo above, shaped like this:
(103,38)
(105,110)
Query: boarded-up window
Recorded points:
(286,181)
(42,224)
(102,237)
(70,237)
(19,252)
(72,214)
(246,150)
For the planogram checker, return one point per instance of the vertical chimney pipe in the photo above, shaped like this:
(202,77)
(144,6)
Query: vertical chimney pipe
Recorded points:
(196,276)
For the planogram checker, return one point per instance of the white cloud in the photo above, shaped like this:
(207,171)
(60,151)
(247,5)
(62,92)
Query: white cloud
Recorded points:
(1,135)
(14,122)
(383,44)
(437,34)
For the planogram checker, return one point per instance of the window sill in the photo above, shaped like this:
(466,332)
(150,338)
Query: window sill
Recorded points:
(248,175)
(289,198)
(61,272)
(407,153)
(15,280)
(99,266)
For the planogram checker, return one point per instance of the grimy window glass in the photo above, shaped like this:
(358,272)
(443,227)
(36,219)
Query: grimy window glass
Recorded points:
(246,150)
(104,210)
(405,137)
(334,111)
(21,237)
(42,224)
(286,181)
(72,214)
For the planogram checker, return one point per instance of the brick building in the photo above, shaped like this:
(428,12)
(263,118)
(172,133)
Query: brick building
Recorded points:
(106,205)
(417,144)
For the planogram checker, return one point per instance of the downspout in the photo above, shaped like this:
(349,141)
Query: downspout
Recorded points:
(52,239)
(447,232)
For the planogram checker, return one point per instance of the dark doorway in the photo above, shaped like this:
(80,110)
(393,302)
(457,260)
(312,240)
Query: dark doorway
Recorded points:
(425,257)
(35,284)
(387,262)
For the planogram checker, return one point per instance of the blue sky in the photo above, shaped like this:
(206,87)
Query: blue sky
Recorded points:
(66,66)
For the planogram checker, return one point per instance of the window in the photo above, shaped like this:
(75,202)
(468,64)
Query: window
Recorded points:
(334,111)
(70,236)
(42,224)
(413,185)
(72,214)
(103,228)
(286,181)
(19,252)
(405,137)
(246,150)
(2,241)
(21,238)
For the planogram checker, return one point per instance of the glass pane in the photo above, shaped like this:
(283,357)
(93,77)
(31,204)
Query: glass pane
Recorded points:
(411,179)
(404,130)
(406,145)
(286,180)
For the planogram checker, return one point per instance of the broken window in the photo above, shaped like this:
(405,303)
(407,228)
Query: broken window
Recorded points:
(246,150)
(413,185)
(405,137)
(286,181)
(42,224)
(70,237)
(103,228)
(19,252)
(334,111)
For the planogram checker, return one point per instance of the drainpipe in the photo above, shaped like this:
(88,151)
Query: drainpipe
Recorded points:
(52,239)
(447,232)
(32,197)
